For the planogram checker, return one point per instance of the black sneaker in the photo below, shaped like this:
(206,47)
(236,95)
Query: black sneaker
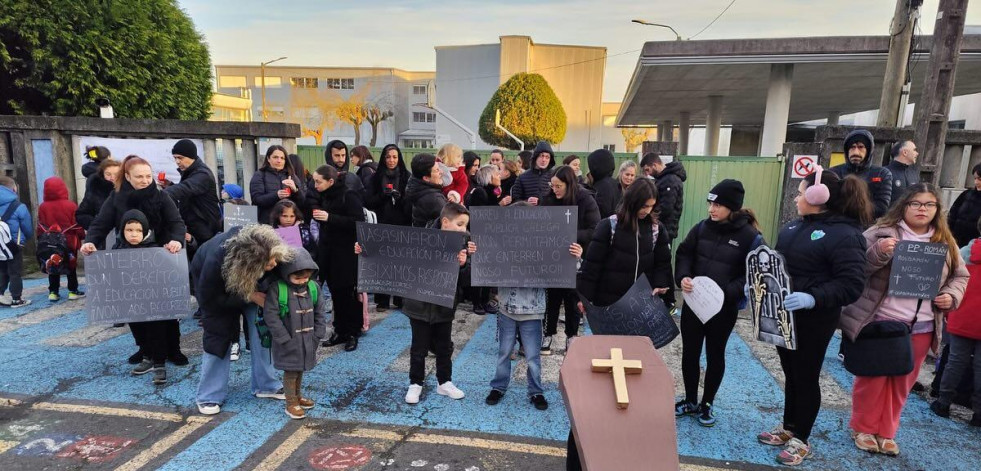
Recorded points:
(705,416)
(135,358)
(546,345)
(178,359)
(494,397)
(539,401)
(491,308)
(351,344)
(975,420)
(940,409)
(683,408)
(334,339)
(159,374)
(20,302)
(918,387)
(144,367)
(479,309)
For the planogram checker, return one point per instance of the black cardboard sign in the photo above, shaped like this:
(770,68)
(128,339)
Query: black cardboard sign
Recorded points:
(917,268)
(240,215)
(410,262)
(524,246)
(136,285)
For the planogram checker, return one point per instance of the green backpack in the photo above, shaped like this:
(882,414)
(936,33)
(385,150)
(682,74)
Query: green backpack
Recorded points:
(260,322)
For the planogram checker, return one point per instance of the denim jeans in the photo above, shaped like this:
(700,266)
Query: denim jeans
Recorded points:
(960,362)
(531,341)
(213,387)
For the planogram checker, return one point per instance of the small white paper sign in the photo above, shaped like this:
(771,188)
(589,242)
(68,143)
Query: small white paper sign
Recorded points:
(705,298)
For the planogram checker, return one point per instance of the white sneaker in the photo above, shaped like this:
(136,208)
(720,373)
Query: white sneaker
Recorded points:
(281,395)
(412,395)
(236,352)
(209,409)
(6,300)
(448,389)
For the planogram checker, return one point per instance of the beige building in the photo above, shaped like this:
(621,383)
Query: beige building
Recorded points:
(231,107)
(312,96)
(467,77)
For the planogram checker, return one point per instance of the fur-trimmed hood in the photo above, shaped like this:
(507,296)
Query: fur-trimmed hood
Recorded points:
(246,255)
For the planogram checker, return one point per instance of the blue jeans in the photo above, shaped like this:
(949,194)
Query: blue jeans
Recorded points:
(531,341)
(213,387)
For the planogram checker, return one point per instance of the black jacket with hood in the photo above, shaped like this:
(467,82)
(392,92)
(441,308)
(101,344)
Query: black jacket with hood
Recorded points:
(338,234)
(718,250)
(534,183)
(389,204)
(878,178)
(616,258)
(165,220)
(434,313)
(148,239)
(589,215)
(963,216)
(197,198)
(423,201)
(350,178)
(97,190)
(671,195)
(606,188)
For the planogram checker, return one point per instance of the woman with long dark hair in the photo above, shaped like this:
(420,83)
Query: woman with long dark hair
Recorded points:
(564,190)
(385,195)
(276,180)
(337,208)
(825,255)
(878,401)
(98,187)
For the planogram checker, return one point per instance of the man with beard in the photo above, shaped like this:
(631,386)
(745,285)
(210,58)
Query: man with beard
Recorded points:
(859,145)
(337,156)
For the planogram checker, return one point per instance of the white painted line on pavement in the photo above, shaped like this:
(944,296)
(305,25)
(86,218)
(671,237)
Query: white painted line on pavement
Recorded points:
(459,441)
(194,422)
(6,445)
(113,411)
(285,449)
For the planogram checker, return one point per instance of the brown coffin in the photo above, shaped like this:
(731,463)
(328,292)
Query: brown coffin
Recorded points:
(641,436)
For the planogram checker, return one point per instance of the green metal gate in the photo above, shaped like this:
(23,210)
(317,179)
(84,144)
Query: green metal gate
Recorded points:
(762,177)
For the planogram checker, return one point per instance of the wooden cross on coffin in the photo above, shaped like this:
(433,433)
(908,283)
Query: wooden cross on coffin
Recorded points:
(608,434)
(620,369)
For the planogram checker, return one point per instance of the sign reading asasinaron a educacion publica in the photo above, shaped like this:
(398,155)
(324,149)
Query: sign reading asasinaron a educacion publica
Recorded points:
(136,285)
(524,246)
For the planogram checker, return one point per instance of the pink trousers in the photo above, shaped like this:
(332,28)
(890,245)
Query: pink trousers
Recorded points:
(877,401)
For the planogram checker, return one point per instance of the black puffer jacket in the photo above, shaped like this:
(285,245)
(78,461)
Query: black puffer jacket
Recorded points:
(610,267)
(903,176)
(825,256)
(338,234)
(717,250)
(423,201)
(964,215)
(351,179)
(367,169)
(878,178)
(534,183)
(482,196)
(265,183)
(97,190)
(165,220)
(605,187)
(197,197)
(589,215)
(389,204)
(671,196)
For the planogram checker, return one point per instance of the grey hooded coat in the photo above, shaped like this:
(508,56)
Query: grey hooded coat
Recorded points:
(295,338)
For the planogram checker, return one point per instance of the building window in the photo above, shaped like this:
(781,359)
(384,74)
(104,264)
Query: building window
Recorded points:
(610,120)
(418,143)
(271,82)
(957,124)
(304,82)
(610,147)
(231,81)
(420,117)
(418,89)
(340,84)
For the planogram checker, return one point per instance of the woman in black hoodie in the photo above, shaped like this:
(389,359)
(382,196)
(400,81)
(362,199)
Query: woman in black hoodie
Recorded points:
(715,248)
(98,187)
(601,167)
(337,209)
(385,195)
(564,190)
(825,254)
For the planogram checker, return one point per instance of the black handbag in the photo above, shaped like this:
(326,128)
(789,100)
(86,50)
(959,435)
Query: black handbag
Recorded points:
(882,348)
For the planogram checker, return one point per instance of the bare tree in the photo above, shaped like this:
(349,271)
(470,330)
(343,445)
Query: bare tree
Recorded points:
(375,113)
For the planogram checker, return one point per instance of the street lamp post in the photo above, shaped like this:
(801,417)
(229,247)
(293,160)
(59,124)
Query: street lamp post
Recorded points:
(646,23)
(262,71)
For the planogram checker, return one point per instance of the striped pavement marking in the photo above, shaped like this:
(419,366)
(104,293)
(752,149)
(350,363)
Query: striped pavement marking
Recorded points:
(111,411)
(161,446)
(6,445)
(285,449)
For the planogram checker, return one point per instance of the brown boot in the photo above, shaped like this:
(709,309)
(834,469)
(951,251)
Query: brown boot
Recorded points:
(302,401)
(294,410)
(306,403)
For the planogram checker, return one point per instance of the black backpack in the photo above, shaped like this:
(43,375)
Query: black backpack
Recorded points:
(52,252)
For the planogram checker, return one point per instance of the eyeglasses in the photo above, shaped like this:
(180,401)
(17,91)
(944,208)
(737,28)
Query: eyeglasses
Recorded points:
(918,205)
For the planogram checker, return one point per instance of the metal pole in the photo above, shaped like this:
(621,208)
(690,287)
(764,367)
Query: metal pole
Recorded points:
(262,67)
(497,122)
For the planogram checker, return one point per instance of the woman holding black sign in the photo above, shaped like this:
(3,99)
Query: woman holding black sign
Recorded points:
(385,195)
(136,190)
(337,209)
(877,401)
(825,259)
(276,180)
(564,190)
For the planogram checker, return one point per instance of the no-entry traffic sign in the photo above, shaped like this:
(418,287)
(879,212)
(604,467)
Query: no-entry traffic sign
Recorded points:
(803,165)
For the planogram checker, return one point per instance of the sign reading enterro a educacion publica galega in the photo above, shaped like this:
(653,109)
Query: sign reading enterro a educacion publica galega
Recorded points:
(136,285)
(524,246)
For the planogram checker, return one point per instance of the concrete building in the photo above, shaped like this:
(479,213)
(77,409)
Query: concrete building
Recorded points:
(467,77)
(310,96)
(231,107)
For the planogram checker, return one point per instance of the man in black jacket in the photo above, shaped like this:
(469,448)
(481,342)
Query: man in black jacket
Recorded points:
(533,184)
(601,166)
(197,193)
(424,198)
(902,167)
(670,180)
(336,155)
(859,145)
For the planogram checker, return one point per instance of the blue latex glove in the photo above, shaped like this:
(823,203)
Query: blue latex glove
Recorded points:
(746,291)
(798,301)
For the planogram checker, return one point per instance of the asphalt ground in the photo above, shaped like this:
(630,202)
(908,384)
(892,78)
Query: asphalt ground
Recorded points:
(67,401)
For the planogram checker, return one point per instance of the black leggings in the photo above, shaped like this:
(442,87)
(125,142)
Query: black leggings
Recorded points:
(348,311)
(157,339)
(715,334)
(802,370)
(554,299)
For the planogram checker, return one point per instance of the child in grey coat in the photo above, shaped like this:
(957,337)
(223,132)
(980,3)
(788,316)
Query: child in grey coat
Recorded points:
(296,330)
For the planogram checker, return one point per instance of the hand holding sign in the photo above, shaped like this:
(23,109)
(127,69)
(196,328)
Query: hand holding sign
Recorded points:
(705,298)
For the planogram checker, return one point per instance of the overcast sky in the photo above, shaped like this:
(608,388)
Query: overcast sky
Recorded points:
(402,34)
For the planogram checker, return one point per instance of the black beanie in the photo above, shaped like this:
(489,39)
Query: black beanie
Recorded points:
(728,193)
(186,148)
(422,165)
